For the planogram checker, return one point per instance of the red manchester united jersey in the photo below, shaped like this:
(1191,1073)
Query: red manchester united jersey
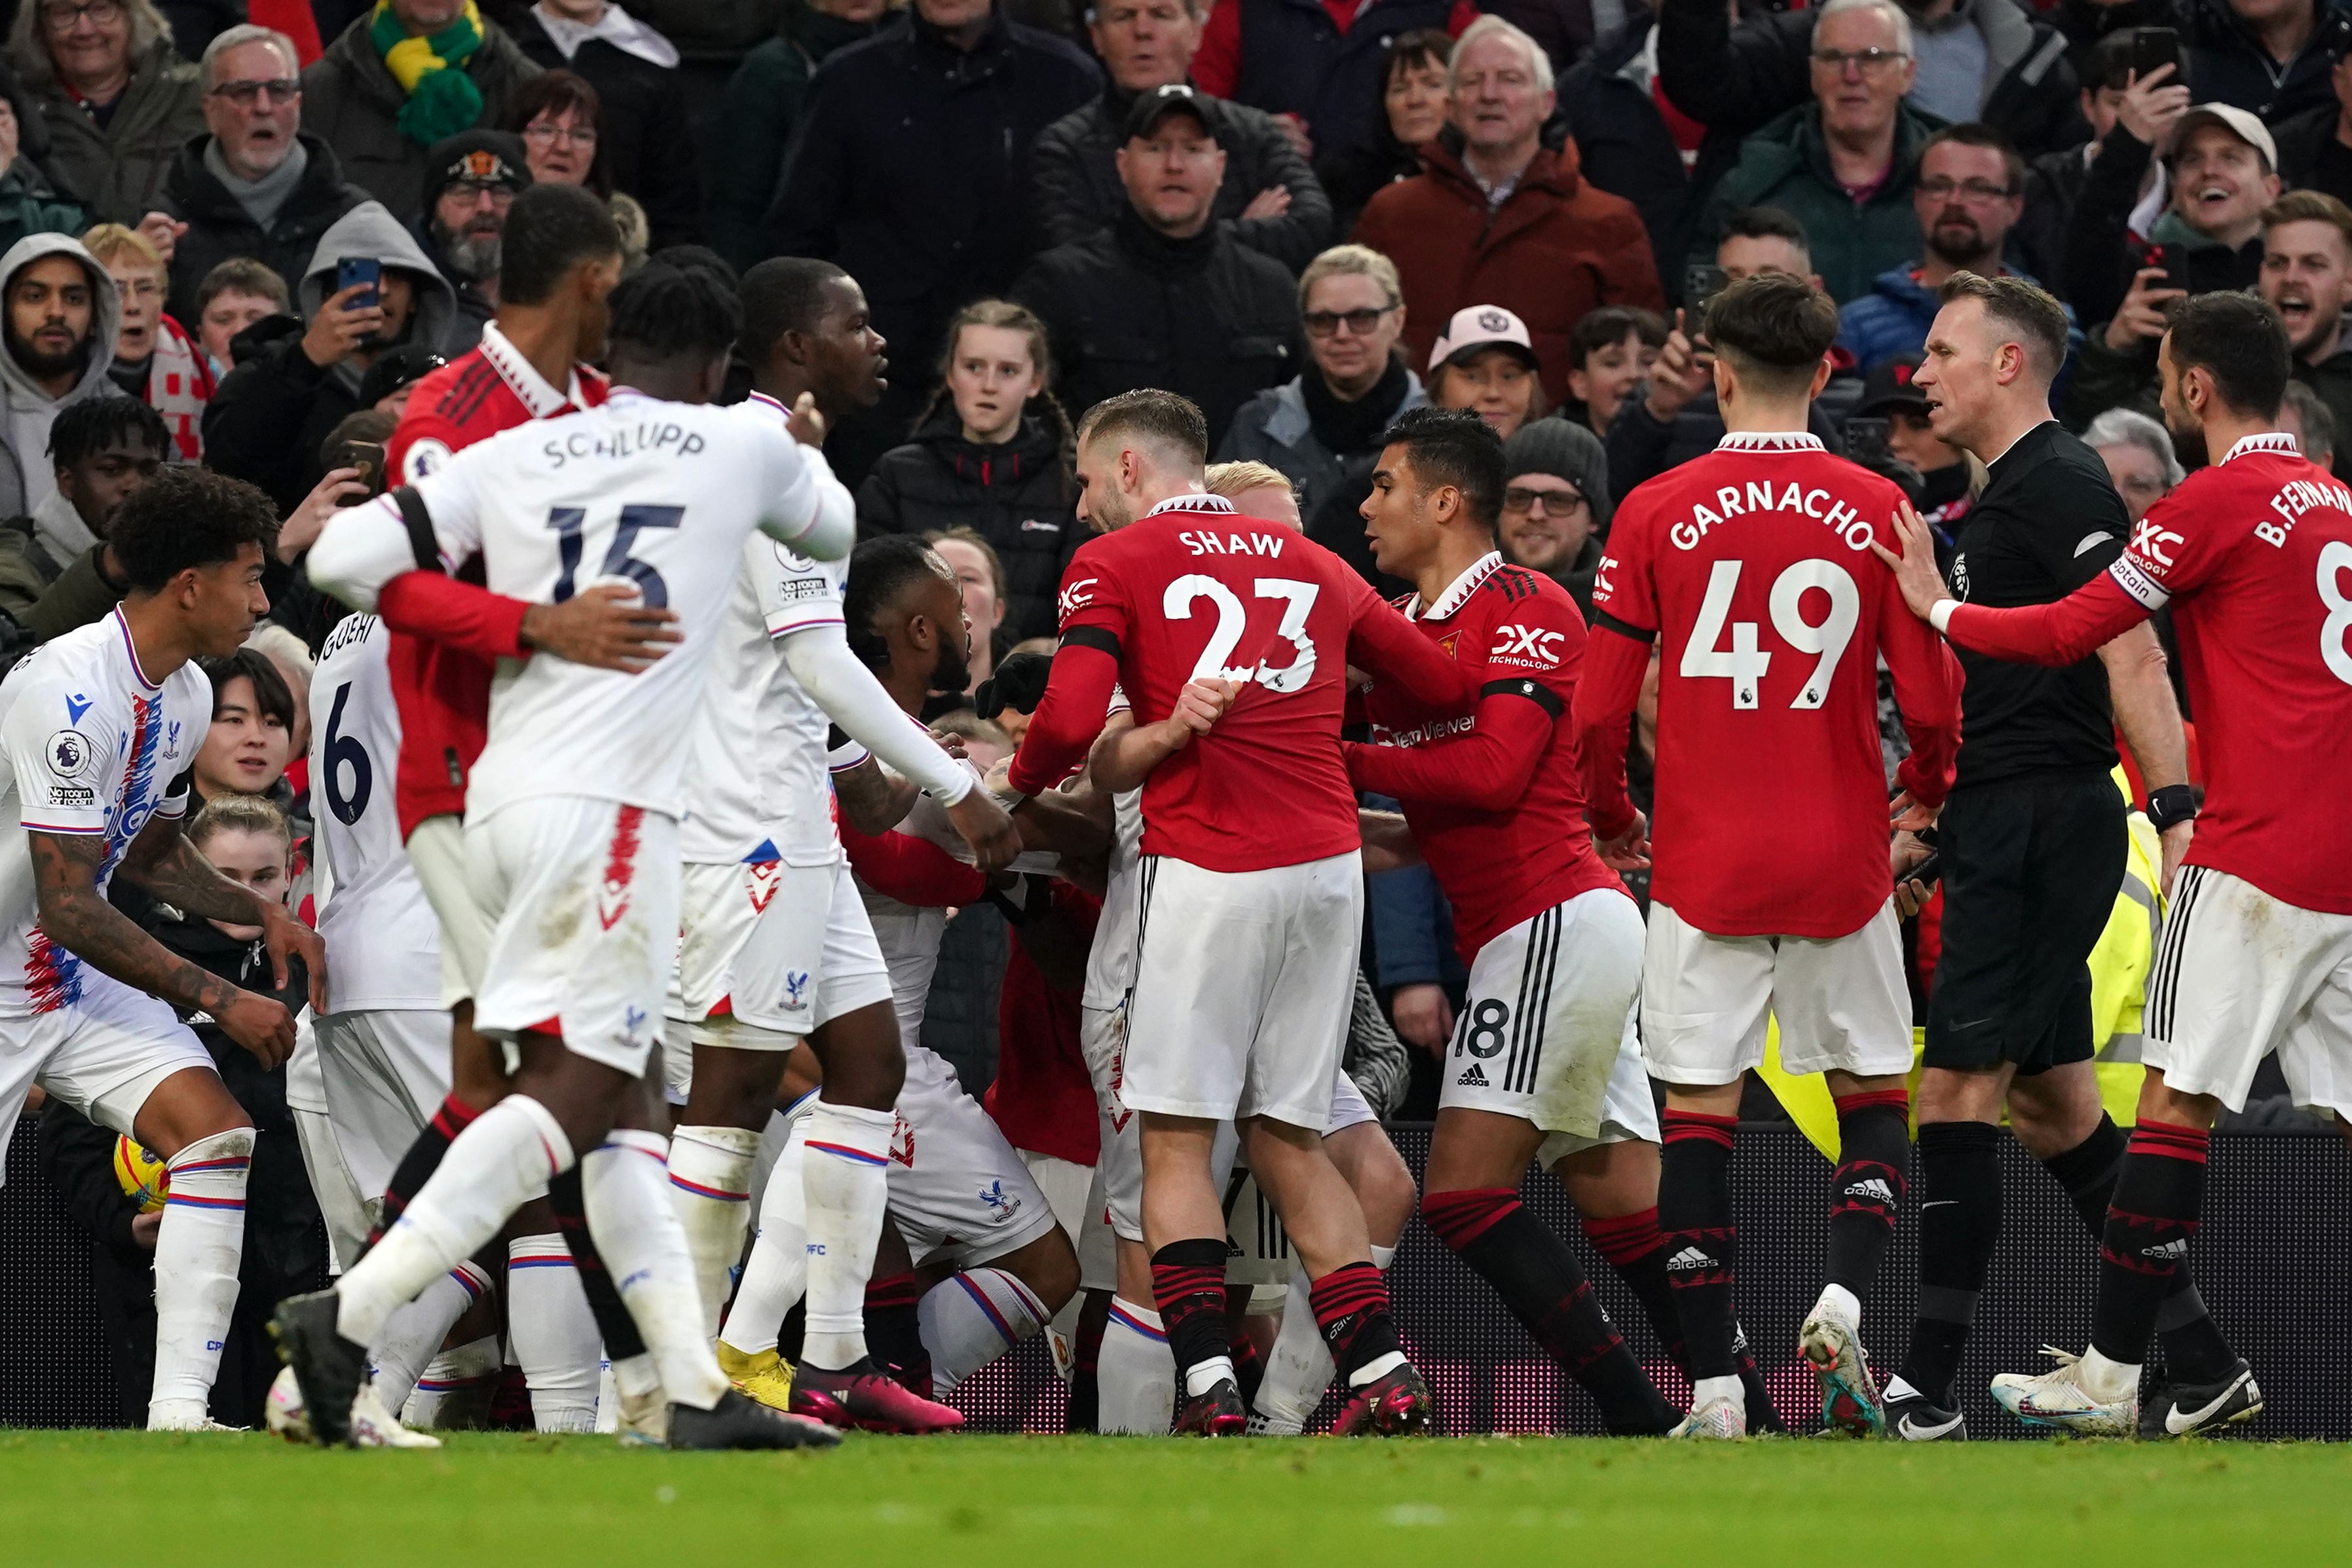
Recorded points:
(2254,555)
(443,693)
(1751,566)
(1190,590)
(1506,839)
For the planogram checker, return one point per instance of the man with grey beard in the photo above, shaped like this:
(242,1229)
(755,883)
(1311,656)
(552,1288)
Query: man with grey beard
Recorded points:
(470,181)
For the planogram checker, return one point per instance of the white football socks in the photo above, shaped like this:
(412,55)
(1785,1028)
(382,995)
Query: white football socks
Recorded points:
(1135,1373)
(711,1186)
(845,1177)
(971,1318)
(414,1333)
(553,1332)
(198,1248)
(462,1376)
(625,1181)
(2109,1382)
(776,1275)
(509,1153)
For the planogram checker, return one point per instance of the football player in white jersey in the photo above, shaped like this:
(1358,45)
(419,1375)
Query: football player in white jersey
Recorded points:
(775,946)
(572,821)
(990,1261)
(98,730)
(383,1050)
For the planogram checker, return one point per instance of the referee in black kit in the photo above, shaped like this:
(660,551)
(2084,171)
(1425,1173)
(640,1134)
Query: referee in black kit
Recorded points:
(2032,844)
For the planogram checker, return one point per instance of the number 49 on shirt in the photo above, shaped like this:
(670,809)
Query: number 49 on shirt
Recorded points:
(1744,661)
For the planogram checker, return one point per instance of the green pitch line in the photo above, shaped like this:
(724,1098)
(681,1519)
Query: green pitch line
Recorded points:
(518,1502)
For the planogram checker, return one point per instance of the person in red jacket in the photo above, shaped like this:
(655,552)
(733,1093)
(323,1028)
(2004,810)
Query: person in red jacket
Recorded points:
(1498,218)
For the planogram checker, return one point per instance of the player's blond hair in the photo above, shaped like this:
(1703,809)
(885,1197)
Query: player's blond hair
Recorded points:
(1234,481)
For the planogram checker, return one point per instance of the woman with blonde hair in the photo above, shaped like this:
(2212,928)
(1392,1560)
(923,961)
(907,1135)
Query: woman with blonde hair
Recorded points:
(115,99)
(992,454)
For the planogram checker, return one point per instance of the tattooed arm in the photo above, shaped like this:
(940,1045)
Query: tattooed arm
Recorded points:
(75,916)
(163,861)
(873,799)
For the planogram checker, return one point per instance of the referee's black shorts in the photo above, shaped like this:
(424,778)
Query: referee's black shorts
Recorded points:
(2031,871)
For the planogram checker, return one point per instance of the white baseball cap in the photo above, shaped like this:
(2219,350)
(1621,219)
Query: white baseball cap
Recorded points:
(2229,118)
(1476,327)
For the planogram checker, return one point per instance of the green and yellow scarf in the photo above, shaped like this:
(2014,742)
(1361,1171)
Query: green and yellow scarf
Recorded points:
(442,99)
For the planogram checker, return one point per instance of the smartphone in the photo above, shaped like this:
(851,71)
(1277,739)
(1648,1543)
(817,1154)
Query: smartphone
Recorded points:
(367,457)
(354,270)
(2153,48)
(1700,284)
(1865,442)
(2177,268)
(1926,872)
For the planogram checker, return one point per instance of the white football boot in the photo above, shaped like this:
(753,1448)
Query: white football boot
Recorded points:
(2059,1399)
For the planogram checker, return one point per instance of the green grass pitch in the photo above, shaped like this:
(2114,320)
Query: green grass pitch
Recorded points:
(517,1502)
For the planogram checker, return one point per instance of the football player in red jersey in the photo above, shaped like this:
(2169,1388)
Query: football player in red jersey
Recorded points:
(1252,884)
(1544,1062)
(1771,894)
(2254,556)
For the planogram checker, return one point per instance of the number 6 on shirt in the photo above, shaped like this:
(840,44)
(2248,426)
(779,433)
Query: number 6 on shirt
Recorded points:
(1233,618)
(1744,662)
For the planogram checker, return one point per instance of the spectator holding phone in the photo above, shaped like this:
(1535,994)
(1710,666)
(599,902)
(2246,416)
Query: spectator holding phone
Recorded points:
(370,289)
(1673,417)
(2222,165)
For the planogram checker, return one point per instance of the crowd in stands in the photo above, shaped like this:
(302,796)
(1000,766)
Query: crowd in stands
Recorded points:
(235,232)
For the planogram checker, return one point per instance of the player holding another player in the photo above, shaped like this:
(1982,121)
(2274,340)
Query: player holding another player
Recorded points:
(98,730)
(1545,1063)
(572,821)
(776,946)
(2254,556)
(1770,895)
(1253,906)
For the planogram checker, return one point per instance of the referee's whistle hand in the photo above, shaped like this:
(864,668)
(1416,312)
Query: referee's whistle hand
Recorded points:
(605,626)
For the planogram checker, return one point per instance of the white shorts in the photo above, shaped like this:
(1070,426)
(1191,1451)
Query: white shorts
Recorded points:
(1841,1001)
(386,1073)
(436,850)
(1547,1034)
(103,1055)
(584,897)
(1243,984)
(2240,974)
(958,1191)
(781,948)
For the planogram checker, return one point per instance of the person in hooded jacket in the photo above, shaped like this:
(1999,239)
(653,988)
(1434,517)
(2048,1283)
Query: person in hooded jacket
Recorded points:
(990,454)
(270,415)
(62,316)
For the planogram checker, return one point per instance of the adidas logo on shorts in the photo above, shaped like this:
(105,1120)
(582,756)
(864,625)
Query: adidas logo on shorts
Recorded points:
(1689,1258)
(1475,1078)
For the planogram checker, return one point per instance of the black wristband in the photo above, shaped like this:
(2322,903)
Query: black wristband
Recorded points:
(2173,804)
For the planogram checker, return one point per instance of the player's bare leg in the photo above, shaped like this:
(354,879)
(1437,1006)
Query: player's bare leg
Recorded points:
(2143,1251)
(1300,1365)
(844,1188)
(1346,1290)
(205,1140)
(562,1101)
(1477,1162)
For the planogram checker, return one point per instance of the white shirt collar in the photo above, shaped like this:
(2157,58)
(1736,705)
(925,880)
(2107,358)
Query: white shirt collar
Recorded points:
(2277,441)
(1458,591)
(537,395)
(617,28)
(1769,441)
(1199,501)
